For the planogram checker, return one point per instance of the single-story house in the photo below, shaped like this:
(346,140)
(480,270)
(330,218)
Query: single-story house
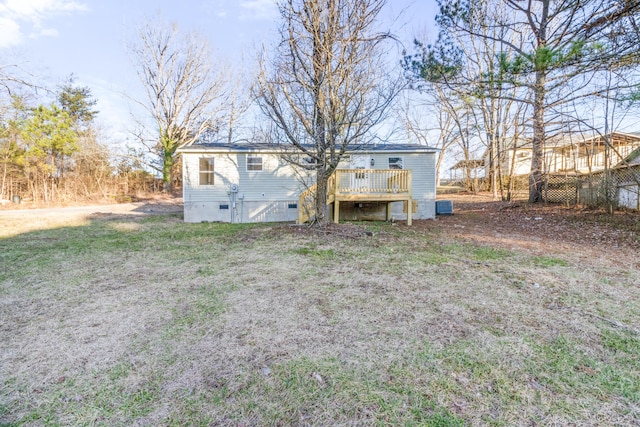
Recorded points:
(253,182)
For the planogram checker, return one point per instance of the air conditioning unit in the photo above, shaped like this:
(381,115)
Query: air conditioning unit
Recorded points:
(444,207)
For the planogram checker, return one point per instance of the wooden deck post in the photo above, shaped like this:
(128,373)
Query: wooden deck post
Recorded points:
(336,212)
(388,211)
(409,211)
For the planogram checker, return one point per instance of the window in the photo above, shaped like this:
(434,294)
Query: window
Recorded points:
(206,171)
(396,163)
(254,163)
(309,160)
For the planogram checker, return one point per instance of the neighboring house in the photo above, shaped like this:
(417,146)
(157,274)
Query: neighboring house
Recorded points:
(472,169)
(567,154)
(515,157)
(590,155)
(254,183)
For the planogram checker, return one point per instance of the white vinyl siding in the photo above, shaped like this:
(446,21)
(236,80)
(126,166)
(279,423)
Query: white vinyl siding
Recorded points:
(270,194)
(274,182)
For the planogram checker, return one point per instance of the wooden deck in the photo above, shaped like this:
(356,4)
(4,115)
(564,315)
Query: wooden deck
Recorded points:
(361,185)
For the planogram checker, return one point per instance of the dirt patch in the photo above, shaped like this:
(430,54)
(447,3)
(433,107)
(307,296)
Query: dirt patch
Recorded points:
(542,229)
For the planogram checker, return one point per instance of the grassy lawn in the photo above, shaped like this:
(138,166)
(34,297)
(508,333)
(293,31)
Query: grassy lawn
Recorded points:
(121,321)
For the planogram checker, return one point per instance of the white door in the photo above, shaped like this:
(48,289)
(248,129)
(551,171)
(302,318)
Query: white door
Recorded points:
(359,180)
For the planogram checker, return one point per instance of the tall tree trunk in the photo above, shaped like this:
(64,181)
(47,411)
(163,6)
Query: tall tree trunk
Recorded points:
(493,164)
(537,158)
(439,161)
(322,210)
(4,177)
(167,171)
(52,176)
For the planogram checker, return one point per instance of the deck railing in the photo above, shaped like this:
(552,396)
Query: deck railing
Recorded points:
(372,181)
(358,184)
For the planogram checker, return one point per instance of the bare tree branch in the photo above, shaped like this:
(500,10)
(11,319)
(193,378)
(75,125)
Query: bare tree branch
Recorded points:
(185,91)
(325,89)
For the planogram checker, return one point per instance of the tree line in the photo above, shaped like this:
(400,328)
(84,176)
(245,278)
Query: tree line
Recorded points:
(498,71)
(523,72)
(52,152)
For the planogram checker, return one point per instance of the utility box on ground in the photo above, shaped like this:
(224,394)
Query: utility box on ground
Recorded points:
(444,207)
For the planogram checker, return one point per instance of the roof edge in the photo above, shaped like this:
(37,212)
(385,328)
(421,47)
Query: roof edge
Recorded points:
(277,149)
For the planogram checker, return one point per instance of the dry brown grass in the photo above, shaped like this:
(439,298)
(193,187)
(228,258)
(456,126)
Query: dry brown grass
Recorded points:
(134,320)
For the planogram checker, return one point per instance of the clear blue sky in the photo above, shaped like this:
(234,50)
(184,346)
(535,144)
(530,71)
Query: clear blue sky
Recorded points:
(55,38)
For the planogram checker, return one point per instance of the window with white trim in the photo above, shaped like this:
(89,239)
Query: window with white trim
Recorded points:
(307,160)
(396,163)
(254,163)
(206,171)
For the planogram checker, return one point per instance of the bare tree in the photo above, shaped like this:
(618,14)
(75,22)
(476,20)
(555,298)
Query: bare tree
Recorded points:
(464,72)
(185,90)
(239,103)
(418,115)
(551,46)
(326,89)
